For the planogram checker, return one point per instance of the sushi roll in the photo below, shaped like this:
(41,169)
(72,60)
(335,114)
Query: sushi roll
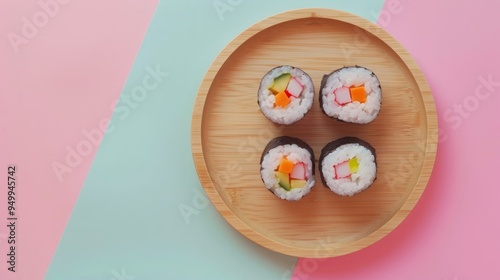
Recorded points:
(287,168)
(351,94)
(285,94)
(348,166)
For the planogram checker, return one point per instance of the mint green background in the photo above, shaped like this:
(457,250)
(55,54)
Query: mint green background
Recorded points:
(127,215)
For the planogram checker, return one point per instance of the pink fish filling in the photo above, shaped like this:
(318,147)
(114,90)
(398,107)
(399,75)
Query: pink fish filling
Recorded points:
(342,95)
(298,171)
(294,88)
(342,170)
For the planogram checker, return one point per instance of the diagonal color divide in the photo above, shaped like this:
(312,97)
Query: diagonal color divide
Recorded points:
(141,213)
(63,63)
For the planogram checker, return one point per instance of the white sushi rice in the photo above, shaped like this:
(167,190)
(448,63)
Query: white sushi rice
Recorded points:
(358,181)
(297,107)
(354,112)
(272,160)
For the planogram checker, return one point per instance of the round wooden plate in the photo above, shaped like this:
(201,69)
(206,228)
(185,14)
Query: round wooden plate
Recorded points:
(229,133)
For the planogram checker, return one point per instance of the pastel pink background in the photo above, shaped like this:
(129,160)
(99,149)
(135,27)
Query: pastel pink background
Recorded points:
(453,232)
(67,76)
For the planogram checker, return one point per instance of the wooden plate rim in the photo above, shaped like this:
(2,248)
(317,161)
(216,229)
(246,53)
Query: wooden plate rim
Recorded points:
(327,250)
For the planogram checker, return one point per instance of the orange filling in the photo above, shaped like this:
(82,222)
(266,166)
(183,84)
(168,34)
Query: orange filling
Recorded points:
(281,99)
(358,94)
(286,166)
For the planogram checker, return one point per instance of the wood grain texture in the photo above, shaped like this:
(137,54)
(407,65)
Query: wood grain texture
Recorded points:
(229,133)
